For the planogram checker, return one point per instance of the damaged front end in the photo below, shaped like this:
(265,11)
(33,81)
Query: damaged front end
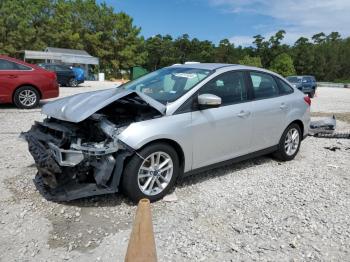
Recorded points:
(76,160)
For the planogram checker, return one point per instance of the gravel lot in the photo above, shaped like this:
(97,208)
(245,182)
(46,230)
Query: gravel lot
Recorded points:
(256,210)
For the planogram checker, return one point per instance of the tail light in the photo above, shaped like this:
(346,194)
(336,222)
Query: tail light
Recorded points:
(50,74)
(307,99)
(53,75)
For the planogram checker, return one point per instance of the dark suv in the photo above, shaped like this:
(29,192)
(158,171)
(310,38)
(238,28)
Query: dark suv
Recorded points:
(306,84)
(65,75)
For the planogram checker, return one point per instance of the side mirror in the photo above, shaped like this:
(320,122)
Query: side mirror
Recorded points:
(208,101)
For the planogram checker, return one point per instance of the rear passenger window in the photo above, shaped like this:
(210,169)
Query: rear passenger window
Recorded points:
(22,67)
(284,87)
(229,86)
(264,85)
(7,65)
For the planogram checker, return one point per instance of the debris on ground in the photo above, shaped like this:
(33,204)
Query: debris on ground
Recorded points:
(170,197)
(334,166)
(326,125)
(325,128)
(332,148)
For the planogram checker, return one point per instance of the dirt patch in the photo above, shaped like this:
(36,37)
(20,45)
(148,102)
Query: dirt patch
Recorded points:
(82,225)
(78,225)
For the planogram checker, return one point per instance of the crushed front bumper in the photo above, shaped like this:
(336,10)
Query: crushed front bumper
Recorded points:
(55,178)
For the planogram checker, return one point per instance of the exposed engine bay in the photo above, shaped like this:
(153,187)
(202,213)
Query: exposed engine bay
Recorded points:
(76,160)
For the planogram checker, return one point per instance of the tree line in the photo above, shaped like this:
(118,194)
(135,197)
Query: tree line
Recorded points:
(117,42)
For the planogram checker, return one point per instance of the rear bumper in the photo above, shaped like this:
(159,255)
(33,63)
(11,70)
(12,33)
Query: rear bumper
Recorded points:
(308,89)
(51,92)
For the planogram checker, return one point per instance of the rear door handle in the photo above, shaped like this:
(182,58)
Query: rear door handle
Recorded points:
(243,114)
(13,76)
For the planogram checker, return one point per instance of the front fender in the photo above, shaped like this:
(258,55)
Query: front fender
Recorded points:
(139,134)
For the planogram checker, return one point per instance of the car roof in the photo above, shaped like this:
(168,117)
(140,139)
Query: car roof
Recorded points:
(302,76)
(207,66)
(15,60)
(52,64)
(216,66)
(11,59)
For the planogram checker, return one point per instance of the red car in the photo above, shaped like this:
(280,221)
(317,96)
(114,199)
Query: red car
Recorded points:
(25,84)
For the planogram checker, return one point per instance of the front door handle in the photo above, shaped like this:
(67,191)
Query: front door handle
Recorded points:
(13,76)
(243,114)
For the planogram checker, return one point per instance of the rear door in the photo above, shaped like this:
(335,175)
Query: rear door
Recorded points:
(269,110)
(225,132)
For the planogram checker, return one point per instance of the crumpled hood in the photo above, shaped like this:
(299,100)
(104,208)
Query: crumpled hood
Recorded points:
(78,107)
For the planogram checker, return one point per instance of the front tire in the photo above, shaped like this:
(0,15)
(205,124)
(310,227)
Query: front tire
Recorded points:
(26,97)
(153,176)
(289,144)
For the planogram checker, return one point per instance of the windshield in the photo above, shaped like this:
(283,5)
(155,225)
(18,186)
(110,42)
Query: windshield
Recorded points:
(294,79)
(168,84)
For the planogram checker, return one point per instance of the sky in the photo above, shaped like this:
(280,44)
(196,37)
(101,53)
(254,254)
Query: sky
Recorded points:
(237,20)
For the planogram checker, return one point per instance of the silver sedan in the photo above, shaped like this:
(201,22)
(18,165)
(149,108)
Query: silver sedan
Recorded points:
(179,120)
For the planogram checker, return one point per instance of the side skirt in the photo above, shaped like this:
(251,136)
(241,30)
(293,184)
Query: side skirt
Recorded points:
(233,160)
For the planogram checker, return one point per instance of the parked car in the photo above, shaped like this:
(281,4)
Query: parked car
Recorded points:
(306,84)
(25,84)
(65,74)
(179,120)
(79,74)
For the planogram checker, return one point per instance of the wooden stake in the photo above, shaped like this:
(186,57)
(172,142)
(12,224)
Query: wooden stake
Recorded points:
(142,245)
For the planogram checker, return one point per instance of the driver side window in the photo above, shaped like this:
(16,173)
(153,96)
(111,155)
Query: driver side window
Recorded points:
(229,86)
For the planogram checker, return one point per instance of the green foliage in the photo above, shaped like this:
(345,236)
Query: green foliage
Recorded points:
(303,56)
(76,24)
(283,65)
(342,81)
(251,61)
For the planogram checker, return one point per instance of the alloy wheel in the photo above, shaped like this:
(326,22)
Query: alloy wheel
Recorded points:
(73,83)
(27,97)
(155,173)
(291,142)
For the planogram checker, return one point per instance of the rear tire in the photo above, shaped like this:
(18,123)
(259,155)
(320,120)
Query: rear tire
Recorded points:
(141,180)
(26,97)
(311,94)
(288,146)
(73,82)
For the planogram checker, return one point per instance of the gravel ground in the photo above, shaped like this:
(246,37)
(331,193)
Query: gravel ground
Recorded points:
(334,100)
(259,209)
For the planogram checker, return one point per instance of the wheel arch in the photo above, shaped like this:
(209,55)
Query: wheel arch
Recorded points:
(23,85)
(300,124)
(173,144)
